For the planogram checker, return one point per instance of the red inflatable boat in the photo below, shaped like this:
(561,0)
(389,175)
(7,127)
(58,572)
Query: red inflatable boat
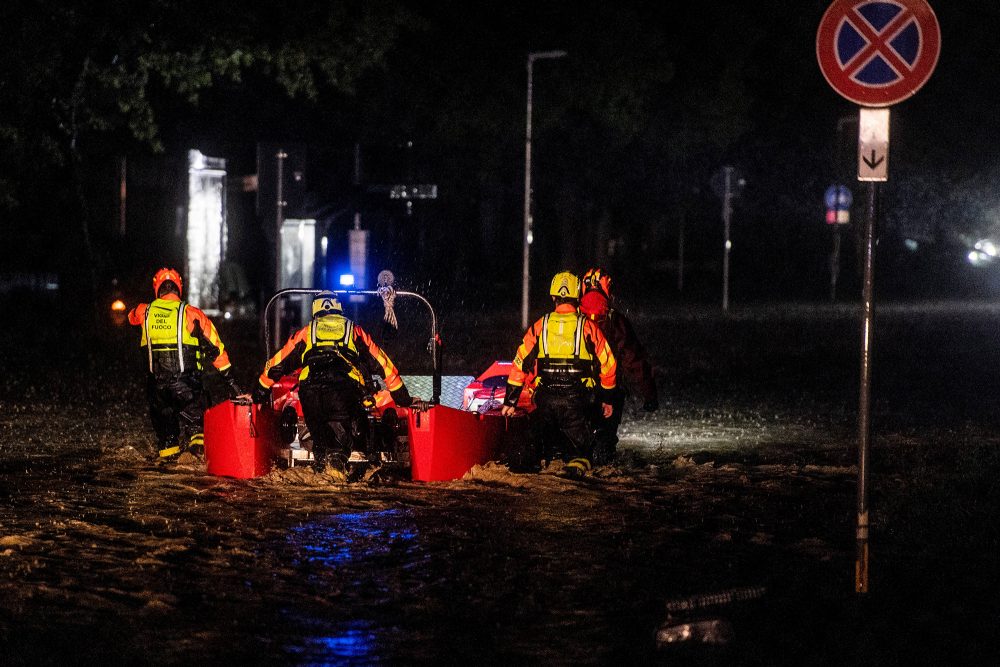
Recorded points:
(436,442)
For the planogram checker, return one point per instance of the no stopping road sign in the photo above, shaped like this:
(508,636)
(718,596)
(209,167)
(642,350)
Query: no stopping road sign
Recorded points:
(878,52)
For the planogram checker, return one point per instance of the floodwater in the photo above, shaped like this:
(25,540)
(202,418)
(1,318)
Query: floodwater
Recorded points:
(134,561)
(744,478)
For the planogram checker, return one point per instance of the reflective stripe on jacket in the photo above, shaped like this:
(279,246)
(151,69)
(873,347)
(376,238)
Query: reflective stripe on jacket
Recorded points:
(563,358)
(177,335)
(563,342)
(330,347)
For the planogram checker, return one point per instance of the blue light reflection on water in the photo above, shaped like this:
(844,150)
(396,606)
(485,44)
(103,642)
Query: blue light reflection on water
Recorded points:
(326,642)
(341,541)
(353,643)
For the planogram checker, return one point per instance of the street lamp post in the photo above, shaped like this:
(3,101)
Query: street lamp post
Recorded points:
(279,223)
(526,272)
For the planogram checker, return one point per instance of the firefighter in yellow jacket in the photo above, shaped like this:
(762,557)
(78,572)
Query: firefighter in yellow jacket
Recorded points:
(574,363)
(330,354)
(178,339)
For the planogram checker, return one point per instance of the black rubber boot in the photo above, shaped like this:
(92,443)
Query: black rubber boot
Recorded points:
(197,445)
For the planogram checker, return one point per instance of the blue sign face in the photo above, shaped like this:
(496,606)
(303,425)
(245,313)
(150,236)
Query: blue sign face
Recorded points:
(838,197)
(889,33)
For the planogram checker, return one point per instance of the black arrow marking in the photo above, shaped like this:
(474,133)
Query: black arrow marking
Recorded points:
(873,162)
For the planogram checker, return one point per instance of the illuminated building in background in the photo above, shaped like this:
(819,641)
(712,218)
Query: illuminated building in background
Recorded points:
(298,260)
(206,229)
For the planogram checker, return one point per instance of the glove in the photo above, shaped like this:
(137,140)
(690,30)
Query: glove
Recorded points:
(602,395)
(262,395)
(651,405)
(234,386)
(511,395)
(401,397)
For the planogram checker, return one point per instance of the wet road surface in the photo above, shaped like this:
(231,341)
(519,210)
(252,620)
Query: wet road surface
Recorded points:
(743,478)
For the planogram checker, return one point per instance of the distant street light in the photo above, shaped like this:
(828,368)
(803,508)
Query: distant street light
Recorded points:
(727,183)
(526,272)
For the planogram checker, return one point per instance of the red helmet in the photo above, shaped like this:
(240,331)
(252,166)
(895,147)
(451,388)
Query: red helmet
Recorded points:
(165,275)
(594,305)
(597,279)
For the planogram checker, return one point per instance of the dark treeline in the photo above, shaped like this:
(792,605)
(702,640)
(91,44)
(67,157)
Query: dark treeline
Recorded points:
(629,128)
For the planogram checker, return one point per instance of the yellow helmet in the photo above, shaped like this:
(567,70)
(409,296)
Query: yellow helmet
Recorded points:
(565,285)
(326,302)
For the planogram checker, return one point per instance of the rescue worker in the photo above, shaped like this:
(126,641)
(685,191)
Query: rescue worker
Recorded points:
(629,353)
(574,362)
(329,355)
(178,339)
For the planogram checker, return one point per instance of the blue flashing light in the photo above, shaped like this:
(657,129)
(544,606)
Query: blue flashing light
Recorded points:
(347,280)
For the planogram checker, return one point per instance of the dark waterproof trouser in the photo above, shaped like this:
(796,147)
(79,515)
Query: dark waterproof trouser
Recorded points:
(175,403)
(336,419)
(606,430)
(561,425)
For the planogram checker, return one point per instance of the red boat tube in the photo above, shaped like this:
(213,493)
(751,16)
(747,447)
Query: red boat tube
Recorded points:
(445,443)
(241,440)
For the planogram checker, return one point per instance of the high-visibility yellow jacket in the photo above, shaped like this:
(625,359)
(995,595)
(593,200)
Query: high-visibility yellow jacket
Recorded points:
(178,337)
(568,349)
(330,348)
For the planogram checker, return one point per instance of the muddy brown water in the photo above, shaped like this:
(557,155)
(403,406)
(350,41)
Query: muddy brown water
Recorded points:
(116,558)
(742,479)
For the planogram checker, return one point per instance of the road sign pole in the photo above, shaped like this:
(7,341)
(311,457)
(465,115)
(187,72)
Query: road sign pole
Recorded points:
(279,222)
(835,263)
(875,54)
(864,402)
(838,201)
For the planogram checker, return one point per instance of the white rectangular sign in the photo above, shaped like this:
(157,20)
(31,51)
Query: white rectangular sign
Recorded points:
(873,144)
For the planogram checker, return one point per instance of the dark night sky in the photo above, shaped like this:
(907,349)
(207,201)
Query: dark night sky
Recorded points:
(653,98)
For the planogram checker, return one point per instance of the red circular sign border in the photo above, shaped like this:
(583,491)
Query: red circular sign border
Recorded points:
(878,96)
